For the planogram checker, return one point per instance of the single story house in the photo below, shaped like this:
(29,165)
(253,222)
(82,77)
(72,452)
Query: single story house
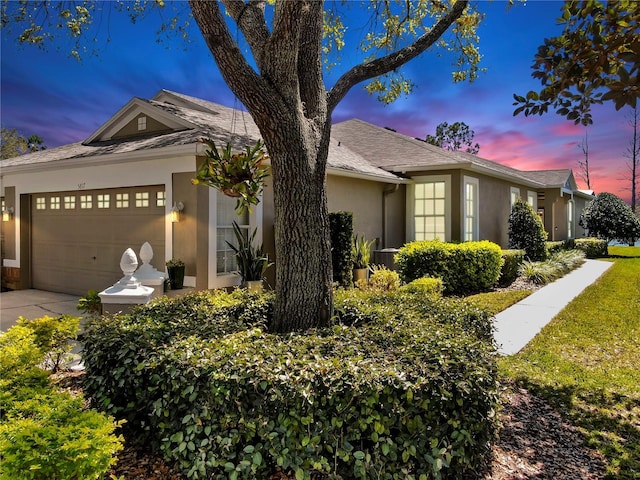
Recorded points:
(70,212)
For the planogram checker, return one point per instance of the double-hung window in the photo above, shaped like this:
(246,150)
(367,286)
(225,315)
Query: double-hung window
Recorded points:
(430,208)
(470,209)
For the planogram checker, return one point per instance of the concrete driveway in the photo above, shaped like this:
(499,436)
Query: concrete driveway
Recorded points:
(34,304)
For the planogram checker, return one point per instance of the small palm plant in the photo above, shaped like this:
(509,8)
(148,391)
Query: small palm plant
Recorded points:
(252,261)
(361,252)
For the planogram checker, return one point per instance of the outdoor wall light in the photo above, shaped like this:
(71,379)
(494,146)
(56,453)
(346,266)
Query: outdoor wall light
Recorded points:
(7,214)
(177,208)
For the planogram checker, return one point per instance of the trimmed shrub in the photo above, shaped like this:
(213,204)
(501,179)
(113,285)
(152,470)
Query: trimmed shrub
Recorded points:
(53,336)
(341,225)
(51,436)
(403,395)
(20,376)
(464,268)
(511,261)
(526,231)
(381,280)
(592,247)
(44,433)
(609,217)
(425,286)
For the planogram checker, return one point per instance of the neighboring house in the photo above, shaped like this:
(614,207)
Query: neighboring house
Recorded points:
(71,211)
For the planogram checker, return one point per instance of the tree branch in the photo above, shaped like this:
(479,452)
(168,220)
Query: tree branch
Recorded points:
(281,52)
(385,64)
(250,20)
(312,89)
(237,73)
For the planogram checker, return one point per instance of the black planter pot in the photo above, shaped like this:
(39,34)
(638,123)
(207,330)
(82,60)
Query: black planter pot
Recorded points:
(176,277)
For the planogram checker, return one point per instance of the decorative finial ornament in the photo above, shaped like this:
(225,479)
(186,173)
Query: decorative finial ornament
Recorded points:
(128,265)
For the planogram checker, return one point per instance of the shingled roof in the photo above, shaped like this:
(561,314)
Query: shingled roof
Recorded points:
(401,154)
(200,118)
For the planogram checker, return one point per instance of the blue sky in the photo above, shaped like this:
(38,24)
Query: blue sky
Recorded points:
(63,101)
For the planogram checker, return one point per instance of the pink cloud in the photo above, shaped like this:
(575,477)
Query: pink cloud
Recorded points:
(565,128)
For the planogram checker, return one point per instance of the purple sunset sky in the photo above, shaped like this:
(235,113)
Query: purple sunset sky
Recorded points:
(49,94)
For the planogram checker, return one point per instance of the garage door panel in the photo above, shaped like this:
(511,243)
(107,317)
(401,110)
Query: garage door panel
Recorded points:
(78,249)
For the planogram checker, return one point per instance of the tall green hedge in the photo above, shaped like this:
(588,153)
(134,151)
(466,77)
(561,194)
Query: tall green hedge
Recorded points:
(401,394)
(341,224)
(464,268)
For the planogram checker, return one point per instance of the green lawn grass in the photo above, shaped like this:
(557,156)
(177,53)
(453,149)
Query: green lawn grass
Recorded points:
(495,302)
(586,362)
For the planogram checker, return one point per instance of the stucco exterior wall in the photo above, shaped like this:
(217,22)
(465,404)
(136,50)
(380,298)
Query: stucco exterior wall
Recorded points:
(361,197)
(184,231)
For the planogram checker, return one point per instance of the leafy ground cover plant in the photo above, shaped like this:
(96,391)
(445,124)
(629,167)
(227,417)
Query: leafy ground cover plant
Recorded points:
(585,363)
(406,393)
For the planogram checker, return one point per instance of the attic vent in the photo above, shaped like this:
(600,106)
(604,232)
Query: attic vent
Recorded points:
(390,129)
(142,123)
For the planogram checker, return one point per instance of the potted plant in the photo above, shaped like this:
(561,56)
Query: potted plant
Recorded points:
(175,271)
(239,175)
(252,261)
(361,251)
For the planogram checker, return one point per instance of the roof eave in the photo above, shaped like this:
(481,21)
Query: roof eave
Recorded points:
(339,172)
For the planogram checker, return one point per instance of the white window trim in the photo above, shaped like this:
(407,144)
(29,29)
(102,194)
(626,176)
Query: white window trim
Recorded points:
(411,194)
(255,217)
(513,190)
(476,213)
(532,195)
(571,226)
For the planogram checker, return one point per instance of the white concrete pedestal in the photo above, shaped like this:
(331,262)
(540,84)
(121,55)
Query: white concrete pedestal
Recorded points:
(128,292)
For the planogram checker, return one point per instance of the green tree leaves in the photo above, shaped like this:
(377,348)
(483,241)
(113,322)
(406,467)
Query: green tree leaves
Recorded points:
(596,59)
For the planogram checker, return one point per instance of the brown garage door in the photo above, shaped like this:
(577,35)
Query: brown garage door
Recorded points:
(77,238)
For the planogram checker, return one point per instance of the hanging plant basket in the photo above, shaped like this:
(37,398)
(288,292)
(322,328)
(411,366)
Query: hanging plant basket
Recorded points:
(238,175)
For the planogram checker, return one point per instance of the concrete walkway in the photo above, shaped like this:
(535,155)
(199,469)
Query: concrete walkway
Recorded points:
(34,304)
(518,324)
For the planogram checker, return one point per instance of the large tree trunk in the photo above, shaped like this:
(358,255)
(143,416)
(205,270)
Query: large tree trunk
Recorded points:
(303,251)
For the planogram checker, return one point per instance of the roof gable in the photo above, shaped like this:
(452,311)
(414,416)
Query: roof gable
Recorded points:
(123,123)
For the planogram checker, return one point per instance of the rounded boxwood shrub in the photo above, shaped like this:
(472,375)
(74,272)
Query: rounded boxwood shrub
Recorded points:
(464,268)
(526,231)
(402,394)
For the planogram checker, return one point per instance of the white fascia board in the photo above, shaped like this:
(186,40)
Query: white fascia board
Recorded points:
(107,159)
(127,113)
